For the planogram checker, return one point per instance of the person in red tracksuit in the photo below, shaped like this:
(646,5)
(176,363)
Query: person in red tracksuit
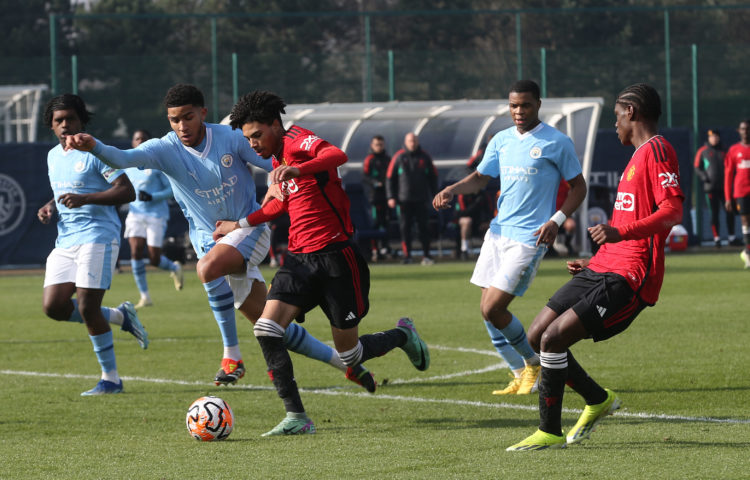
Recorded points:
(323,267)
(737,183)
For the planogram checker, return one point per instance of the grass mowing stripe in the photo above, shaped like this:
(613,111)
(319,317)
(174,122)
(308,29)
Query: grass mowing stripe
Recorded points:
(337,391)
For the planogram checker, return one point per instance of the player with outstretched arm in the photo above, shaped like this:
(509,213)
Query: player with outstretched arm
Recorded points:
(324,267)
(88,240)
(207,166)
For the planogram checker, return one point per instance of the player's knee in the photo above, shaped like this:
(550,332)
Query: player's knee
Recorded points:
(534,335)
(55,310)
(154,260)
(550,340)
(206,270)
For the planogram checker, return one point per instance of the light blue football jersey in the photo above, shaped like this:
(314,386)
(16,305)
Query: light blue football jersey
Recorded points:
(153,182)
(210,182)
(530,167)
(81,172)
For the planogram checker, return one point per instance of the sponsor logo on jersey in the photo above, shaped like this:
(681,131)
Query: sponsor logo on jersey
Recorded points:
(517,173)
(744,163)
(289,186)
(631,172)
(535,152)
(625,202)
(79,166)
(308,142)
(12,204)
(220,193)
(669,180)
(226,160)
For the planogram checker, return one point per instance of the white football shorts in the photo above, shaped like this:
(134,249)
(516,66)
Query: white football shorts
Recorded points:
(506,264)
(253,243)
(146,226)
(90,265)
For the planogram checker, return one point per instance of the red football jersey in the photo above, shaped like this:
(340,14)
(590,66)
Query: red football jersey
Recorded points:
(651,176)
(737,171)
(317,204)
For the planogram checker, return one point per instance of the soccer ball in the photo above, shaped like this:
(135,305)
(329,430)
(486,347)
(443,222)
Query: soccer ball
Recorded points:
(209,419)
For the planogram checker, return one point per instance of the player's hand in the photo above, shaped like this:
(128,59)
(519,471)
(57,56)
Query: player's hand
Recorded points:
(224,227)
(546,233)
(46,213)
(274,191)
(144,196)
(442,200)
(72,200)
(604,233)
(391,203)
(577,266)
(80,141)
(728,205)
(283,172)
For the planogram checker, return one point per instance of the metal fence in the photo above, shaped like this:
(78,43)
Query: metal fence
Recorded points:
(694,55)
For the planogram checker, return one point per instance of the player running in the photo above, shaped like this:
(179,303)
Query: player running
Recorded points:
(88,240)
(530,158)
(324,266)
(207,166)
(625,275)
(146,224)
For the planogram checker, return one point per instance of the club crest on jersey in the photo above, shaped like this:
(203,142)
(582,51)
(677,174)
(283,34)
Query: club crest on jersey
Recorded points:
(226,160)
(631,172)
(669,180)
(79,166)
(535,152)
(625,202)
(309,142)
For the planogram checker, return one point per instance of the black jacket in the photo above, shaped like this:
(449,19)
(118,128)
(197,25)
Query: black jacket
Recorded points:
(709,166)
(375,168)
(412,176)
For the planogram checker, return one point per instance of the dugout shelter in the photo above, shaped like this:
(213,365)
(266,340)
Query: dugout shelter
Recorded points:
(450,130)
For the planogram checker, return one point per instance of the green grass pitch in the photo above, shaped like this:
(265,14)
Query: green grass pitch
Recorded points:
(680,369)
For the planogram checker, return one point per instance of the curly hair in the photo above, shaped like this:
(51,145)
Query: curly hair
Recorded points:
(258,106)
(184,94)
(67,101)
(524,86)
(643,98)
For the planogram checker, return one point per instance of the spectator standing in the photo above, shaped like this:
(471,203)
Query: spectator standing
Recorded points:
(411,184)
(375,168)
(709,166)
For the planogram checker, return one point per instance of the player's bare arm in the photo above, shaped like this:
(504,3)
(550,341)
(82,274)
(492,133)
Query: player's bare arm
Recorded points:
(80,141)
(120,192)
(548,232)
(47,211)
(471,183)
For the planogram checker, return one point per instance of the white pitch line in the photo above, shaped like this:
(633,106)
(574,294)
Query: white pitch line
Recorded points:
(337,391)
